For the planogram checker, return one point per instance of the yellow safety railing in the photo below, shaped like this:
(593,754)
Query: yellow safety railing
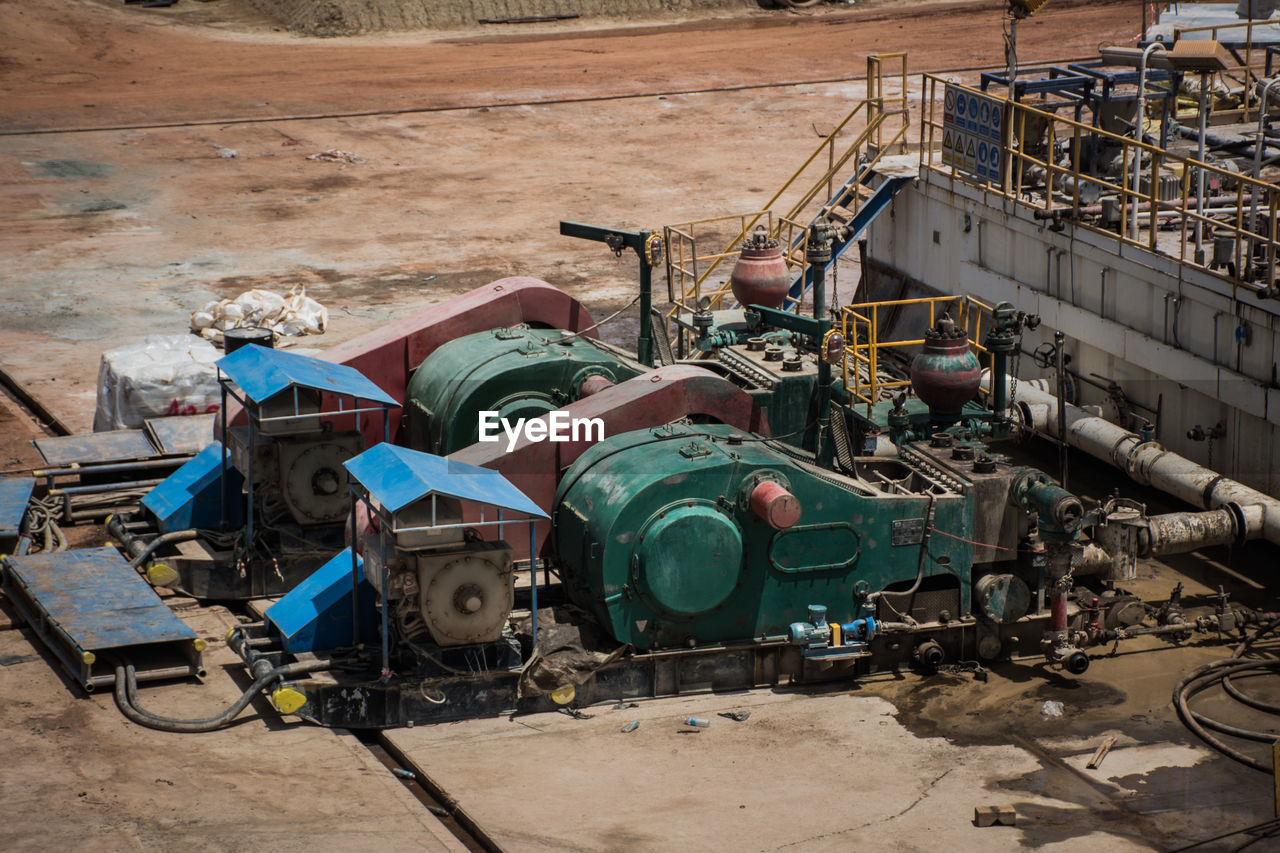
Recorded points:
(1253,60)
(886,123)
(860,328)
(1155,206)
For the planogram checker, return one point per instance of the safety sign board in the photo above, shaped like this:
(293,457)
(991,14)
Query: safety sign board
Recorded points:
(974,133)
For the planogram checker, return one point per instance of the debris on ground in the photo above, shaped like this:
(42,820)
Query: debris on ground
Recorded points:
(1052,708)
(993,815)
(157,376)
(631,726)
(290,316)
(570,711)
(1100,753)
(335,155)
(226,153)
(736,716)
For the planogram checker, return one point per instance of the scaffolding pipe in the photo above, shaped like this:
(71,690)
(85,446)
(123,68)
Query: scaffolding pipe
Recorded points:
(1147,462)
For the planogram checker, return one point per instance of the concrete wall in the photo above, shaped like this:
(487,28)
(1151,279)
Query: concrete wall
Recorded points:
(1175,338)
(348,17)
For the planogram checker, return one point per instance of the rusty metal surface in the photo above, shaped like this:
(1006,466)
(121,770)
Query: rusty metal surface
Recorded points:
(652,399)
(177,435)
(389,355)
(15,492)
(92,601)
(119,445)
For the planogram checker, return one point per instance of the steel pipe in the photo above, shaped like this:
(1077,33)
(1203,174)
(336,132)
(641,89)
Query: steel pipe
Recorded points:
(1147,462)
(1139,126)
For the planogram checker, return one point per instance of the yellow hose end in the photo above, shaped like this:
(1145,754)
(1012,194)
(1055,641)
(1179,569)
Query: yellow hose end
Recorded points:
(160,574)
(230,631)
(564,695)
(107,522)
(287,700)
(200,644)
(88,657)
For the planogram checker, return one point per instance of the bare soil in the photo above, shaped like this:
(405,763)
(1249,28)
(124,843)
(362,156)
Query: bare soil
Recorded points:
(470,149)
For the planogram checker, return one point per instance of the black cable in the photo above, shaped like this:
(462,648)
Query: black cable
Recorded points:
(1266,824)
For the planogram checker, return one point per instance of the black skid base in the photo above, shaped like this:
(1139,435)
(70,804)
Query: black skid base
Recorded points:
(361,701)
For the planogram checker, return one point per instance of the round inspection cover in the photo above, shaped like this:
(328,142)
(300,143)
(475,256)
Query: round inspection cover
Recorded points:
(313,486)
(690,559)
(467,601)
(1003,598)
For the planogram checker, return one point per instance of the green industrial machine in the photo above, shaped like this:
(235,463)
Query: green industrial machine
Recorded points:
(516,372)
(685,535)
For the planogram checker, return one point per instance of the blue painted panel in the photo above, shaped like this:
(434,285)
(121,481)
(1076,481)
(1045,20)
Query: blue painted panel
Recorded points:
(190,497)
(15,492)
(95,599)
(316,614)
(262,373)
(398,476)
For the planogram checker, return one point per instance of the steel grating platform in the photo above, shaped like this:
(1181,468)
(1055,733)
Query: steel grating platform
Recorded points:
(91,607)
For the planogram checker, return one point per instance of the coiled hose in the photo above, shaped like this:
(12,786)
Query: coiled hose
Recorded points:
(39,528)
(1221,672)
(126,695)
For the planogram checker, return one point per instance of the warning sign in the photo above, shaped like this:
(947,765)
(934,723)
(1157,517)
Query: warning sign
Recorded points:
(973,133)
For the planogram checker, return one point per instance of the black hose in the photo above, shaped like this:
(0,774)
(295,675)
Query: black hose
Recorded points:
(163,539)
(1220,673)
(126,695)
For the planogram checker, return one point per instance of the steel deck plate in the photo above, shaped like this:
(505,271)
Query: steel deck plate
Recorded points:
(181,433)
(93,601)
(116,446)
(15,492)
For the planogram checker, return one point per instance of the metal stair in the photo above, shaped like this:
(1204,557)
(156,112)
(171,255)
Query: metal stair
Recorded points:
(853,230)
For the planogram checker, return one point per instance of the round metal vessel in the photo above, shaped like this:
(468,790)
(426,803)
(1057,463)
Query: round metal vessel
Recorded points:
(946,373)
(760,275)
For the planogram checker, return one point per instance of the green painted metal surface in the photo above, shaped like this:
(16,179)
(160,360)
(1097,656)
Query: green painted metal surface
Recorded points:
(648,526)
(517,371)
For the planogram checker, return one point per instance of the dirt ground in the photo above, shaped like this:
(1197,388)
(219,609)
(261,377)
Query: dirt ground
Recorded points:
(119,215)
(470,149)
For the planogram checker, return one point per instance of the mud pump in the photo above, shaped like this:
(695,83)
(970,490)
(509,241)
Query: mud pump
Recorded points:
(781,508)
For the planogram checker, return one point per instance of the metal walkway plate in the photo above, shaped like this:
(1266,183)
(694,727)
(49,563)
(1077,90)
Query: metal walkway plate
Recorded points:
(122,445)
(90,606)
(180,434)
(15,493)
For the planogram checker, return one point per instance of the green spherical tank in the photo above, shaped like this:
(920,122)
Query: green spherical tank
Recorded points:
(688,535)
(516,372)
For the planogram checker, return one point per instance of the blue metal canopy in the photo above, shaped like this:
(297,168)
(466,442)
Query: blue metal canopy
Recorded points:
(397,476)
(262,373)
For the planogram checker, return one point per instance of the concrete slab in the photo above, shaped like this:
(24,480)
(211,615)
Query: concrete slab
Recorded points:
(78,776)
(893,763)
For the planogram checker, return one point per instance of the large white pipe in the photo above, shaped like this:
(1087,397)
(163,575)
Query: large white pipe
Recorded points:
(1147,462)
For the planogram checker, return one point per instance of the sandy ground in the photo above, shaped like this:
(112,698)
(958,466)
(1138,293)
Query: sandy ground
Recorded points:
(470,148)
(111,235)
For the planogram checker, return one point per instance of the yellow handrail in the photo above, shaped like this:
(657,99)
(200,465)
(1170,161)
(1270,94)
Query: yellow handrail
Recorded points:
(865,317)
(1053,184)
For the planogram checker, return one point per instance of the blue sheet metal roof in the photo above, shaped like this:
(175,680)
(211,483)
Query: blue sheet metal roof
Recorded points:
(397,476)
(262,373)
